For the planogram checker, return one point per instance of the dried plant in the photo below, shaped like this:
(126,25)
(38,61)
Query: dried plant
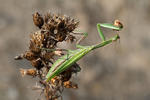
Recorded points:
(43,51)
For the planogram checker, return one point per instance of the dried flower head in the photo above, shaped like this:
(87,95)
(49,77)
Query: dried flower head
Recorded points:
(43,52)
(59,25)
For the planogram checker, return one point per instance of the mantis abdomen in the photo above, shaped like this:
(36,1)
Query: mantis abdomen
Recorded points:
(63,63)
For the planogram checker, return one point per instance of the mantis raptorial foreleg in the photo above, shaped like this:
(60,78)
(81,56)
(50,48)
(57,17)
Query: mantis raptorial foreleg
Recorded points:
(82,38)
(100,32)
(78,42)
(116,26)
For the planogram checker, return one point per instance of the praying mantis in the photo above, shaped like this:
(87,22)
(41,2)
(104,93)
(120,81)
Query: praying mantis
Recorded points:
(73,56)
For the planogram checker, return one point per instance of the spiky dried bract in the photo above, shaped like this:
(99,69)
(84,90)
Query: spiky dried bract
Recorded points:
(71,38)
(69,84)
(42,52)
(30,72)
(38,20)
(29,55)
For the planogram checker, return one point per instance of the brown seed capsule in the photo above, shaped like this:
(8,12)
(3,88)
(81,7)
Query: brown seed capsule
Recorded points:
(55,80)
(29,55)
(38,20)
(36,41)
(30,72)
(20,57)
(69,84)
(70,38)
(37,63)
(60,37)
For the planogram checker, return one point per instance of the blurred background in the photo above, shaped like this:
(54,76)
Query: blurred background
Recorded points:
(119,71)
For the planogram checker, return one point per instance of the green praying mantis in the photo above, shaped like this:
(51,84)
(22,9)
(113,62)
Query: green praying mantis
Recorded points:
(73,56)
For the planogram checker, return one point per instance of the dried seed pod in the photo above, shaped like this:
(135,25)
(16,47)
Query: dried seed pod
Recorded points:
(61,23)
(38,20)
(47,56)
(55,80)
(70,38)
(50,43)
(72,24)
(36,41)
(30,72)
(69,84)
(29,55)
(60,37)
(37,63)
(20,57)
(34,48)
(37,38)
